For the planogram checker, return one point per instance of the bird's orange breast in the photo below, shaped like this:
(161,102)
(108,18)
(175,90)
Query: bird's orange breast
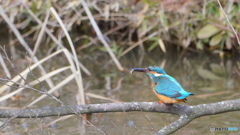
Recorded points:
(165,99)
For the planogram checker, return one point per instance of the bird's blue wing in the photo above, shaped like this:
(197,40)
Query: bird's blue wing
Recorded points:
(170,87)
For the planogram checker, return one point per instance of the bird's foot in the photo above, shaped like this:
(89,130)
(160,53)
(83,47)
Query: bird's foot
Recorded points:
(167,105)
(161,102)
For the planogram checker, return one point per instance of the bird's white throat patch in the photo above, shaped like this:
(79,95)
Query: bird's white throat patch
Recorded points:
(157,74)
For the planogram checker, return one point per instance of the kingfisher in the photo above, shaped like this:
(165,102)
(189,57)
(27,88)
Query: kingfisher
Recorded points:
(166,88)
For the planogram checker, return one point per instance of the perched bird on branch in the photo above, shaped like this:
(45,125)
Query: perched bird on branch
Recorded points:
(165,87)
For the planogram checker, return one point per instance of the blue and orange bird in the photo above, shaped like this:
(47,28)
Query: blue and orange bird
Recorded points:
(165,87)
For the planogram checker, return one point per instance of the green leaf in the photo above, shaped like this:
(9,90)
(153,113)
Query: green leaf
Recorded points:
(146,1)
(144,26)
(154,39)
(153,46)
(102,48)
(199,45)
(216,40)
(207,31)
(163,19)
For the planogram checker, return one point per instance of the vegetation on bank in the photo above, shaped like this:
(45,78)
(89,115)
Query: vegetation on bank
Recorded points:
(192,25)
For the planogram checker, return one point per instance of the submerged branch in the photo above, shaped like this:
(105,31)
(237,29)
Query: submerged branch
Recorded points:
(186,113)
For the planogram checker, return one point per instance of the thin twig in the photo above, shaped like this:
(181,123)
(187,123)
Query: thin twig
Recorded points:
(4,66)
(137,43)
(100,35)
(229,23)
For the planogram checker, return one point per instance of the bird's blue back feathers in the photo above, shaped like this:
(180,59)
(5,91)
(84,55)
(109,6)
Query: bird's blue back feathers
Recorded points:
(170,87)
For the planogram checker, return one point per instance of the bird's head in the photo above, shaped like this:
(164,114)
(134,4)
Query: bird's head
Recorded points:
(154,72)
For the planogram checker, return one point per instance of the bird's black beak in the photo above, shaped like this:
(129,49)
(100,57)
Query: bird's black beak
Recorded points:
(139,70)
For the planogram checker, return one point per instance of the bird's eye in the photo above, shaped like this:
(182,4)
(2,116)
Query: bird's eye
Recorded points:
(149,69)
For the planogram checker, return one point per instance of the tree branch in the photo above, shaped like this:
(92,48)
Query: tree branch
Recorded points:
(182,121)
(186,113)
(200,110)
